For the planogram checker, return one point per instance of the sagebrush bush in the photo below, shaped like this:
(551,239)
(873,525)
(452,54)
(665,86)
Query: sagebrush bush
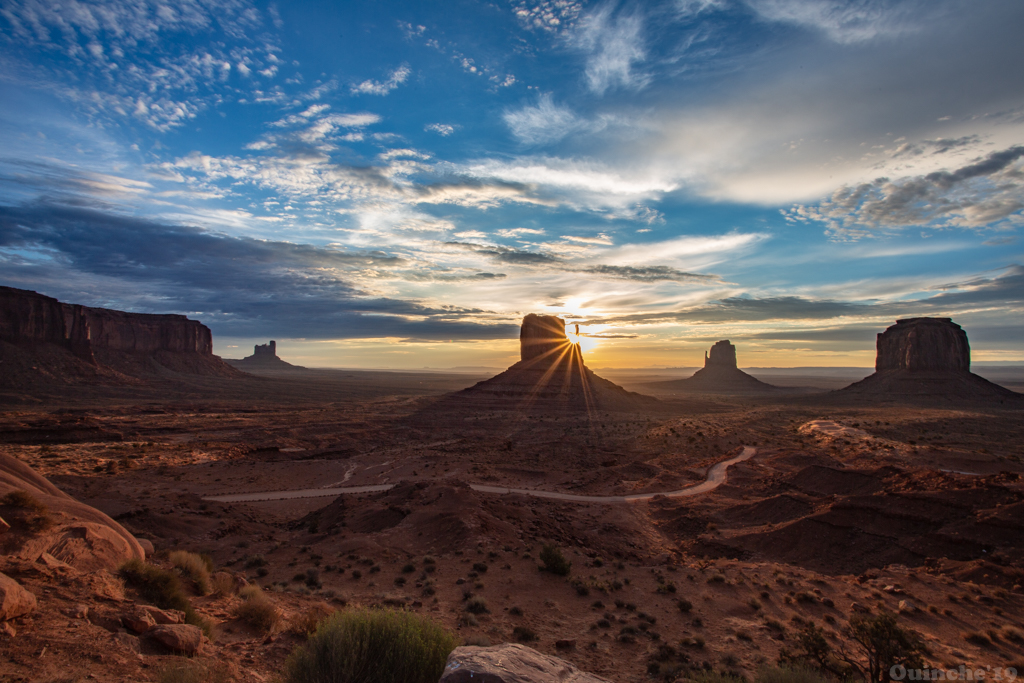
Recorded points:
(372,646)
(257,609)
(305,624)
(162,587)
(554,561)
(194,567)
(34,517)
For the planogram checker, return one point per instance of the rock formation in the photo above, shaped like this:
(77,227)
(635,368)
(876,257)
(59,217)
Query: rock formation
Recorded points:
(49,525)
(264,357)
(927,359)
(720,375)
(551,374)
(41,333)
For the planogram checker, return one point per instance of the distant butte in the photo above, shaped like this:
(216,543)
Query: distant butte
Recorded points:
(926,358)
(264,357)
(720,375)
(551,374)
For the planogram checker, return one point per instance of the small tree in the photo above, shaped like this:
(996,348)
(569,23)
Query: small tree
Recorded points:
(885,644)
(881,644)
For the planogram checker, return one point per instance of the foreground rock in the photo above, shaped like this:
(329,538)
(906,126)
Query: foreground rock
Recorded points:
(15,601)
(550,375)
(720,375)
(511,663)
(183,638)
(926,359)
(56,529)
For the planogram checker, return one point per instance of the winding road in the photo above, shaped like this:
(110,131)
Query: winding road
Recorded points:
(717,476)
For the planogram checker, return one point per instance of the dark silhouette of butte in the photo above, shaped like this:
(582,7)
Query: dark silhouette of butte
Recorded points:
(44,341)
(926,358)
(264,357)
(551,374)
(721,376)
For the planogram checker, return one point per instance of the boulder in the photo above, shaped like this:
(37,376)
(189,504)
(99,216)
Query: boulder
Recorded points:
(923,344)
(510,663)
(542,336)
(15,601)
(164,616)
(138,620)
(183,638)
(147,546)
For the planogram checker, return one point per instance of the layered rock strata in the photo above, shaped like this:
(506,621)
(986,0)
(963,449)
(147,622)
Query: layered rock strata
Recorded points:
(926,359)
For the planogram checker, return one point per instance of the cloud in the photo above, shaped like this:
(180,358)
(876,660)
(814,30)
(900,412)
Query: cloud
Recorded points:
(507,255)
(544,123)
(442,129)
(238,285)
(547,15)
(842,21)
(397,77)
(982,193)
(681,247)
(601,239)
(517,232)
(612,45)
(649,274)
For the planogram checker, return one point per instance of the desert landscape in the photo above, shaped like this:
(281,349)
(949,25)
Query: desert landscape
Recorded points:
(638,536)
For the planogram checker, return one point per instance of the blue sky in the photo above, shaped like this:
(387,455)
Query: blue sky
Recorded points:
(397,184)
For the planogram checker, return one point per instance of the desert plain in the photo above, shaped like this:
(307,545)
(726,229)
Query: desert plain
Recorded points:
(842,506)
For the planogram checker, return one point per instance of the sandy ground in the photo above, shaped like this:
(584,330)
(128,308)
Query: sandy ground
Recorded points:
(842,509)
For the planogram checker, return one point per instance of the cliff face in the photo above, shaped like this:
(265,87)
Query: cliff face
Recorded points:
(28,318)
(541,335)
(924,344)
(723,354)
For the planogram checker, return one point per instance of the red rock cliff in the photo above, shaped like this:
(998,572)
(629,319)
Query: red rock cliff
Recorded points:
(28,318)
(923,344)
(541,335)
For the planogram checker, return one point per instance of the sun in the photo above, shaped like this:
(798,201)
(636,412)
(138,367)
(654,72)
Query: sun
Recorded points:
(585,342)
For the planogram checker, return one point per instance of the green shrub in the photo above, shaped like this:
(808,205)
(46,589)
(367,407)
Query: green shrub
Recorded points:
(256,609)
(372,646)
(524,634)
(193,567)
(162,587)
(554,561)
(477,606)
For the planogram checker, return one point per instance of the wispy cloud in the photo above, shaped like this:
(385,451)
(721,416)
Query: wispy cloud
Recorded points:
(542,123)
(840,20)
(369,87)
(982,193)
(442,129)
(613,44)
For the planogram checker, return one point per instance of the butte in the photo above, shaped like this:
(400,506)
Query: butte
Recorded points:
(926,359)
(550,375)
(720,375)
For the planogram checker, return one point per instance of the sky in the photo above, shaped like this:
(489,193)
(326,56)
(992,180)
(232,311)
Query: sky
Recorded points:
(395,184)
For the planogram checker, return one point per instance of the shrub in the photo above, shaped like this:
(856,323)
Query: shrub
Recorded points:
(684,605)
(162,587)
(306,624)
(255,561)
(257,610)
(524,634)
(554,561)
(224,583)
(976,638)
(35,516)
(480,567)
(194,567)
(477,606)
(382,646)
